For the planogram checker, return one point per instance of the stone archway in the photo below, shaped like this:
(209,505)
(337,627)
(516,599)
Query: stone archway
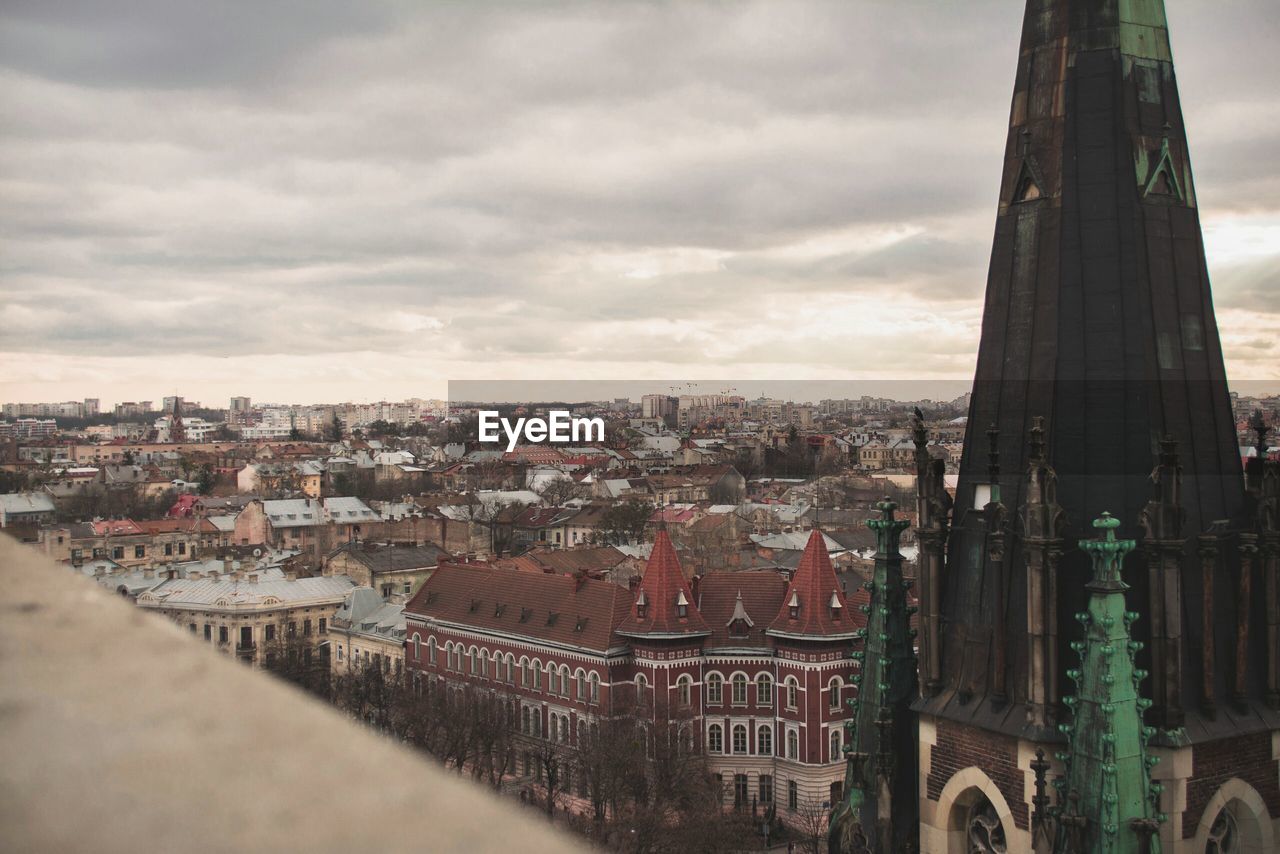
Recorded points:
(1235,821)
(974,810)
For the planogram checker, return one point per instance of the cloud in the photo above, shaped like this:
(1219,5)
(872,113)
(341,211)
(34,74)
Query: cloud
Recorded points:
(791,189)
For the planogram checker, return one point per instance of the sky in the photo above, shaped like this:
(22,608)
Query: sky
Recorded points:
(314,200)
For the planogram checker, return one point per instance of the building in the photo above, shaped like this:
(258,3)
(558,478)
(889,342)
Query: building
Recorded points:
(311,526)
(26,508)
(1100,386)
(257,619)
(393,571)
(367,631)
(751,668)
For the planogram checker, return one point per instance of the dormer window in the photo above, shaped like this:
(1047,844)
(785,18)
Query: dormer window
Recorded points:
(642,606)
(794,605)
(682,605)
(836,608)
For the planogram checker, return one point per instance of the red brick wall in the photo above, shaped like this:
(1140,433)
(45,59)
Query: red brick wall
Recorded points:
(961,747)
(1213,763)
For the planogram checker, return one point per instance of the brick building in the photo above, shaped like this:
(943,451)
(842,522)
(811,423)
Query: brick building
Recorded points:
(751,668)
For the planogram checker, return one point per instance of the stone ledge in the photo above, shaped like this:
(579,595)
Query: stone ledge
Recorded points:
(118,732)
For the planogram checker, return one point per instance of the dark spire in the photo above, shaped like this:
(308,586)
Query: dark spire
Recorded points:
(1098,315)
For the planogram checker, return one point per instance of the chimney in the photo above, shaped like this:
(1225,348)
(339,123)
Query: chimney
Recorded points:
(171,574)
(291,576)
(253,578)
(226,564)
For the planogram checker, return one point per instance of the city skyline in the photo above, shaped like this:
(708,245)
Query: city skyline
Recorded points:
(662,191)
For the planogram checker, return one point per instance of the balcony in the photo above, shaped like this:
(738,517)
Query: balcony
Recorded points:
(189,778)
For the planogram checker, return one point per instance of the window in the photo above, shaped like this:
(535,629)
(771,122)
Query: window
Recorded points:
(525,676)
(764,690)
(193,628)
(222,634)
(417,648)
(740,790)
(553,679)
(537,676)
(323,626)
(739,689)
(834,739)
(684,688)
(168,548)
(511,669)
(764,741)
(642,689)
(293,629)
(715,688)
(595,688)
(766,789)
(182,548)
(117,552)
(306,628)
(408,588)
(833,688)
(793,693)
(139,551)
(793,744)
(581,679)
(715,739)
(208,632)
(564,681)
(269,632)
(793,795)
(740,738)
(431,650)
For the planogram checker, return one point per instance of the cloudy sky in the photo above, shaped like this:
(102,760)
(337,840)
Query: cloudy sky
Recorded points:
(320,200)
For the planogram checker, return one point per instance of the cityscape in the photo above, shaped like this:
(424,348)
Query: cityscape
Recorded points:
(1032,605)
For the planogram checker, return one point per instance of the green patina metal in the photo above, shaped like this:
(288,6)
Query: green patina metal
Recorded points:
(879,811)
(1107,803)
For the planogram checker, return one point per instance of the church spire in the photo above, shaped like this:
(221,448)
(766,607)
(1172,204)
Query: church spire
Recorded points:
(1107,802)
(879,812)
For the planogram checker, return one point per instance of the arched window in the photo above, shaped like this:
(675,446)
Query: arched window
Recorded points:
(553,731)
(764,740)
(511,669)
(833,691)
(793,692)
(764,690)
(417,648)
(834,738)
(793,744)
(740,738)
(739,690)
(594,682)
(582,732)
(564,728)
(581,678)
(431,651)
(684,689)
(536,666)
(715,688)
(536,716)
(642,689)
(715,739)
(525,677)
(553,679)
(525,726)
(564,680)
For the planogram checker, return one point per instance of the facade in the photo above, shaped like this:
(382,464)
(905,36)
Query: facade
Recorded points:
(255,618)
(367,631)
(749,667)
(394,572)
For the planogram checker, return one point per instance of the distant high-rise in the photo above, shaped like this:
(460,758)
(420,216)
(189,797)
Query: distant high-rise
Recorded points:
(1100,387)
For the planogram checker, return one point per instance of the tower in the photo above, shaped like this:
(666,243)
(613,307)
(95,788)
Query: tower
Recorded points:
(1100,386)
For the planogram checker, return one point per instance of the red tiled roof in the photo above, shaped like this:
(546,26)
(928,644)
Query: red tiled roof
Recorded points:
(115,527)
(762,591)
(810,593)
(556,609)
(661,592)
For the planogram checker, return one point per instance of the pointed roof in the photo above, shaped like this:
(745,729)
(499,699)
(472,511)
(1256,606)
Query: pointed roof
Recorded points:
(662,595)
(807,609)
